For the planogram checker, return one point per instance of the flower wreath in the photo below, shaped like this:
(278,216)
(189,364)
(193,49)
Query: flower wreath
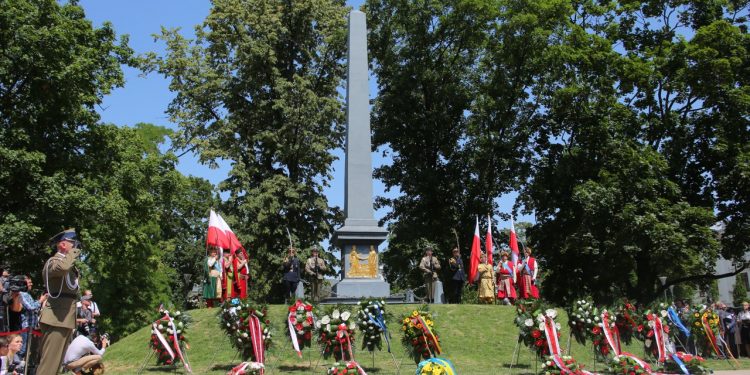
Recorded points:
(583,316)
(530,319)
(247,368)
(335,333)
(657,331)
(300,323)
(629,322)
(436,366)
(704,326)
(627,365)
(168,337)
(348,368)
(574,368)
(420,339)
(372,320)
(248,328)
(692,363)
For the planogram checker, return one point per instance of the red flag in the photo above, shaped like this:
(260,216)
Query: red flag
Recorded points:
(475,250)
(216,235)
(513,243)
(234,242)
(488,240)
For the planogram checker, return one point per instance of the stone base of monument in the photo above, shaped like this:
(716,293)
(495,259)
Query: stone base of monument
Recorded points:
(352,290)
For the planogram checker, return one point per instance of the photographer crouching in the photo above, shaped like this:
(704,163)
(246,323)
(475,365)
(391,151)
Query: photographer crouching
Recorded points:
(83,356)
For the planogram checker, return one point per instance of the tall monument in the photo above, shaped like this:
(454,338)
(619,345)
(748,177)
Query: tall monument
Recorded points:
(360,236)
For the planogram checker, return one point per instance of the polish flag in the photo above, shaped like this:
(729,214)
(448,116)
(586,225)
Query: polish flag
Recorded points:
(488,240)
(234,242)
(475,251)
(513,243)
(216,235)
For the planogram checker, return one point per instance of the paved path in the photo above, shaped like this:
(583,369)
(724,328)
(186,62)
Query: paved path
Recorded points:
(732,372)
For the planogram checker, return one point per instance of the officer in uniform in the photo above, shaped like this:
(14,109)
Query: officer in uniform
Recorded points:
(459,276)
(429,265)
(58,316)
(291,271)
(315,267)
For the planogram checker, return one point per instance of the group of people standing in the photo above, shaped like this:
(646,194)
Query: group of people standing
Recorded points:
(506,281)
(226,276)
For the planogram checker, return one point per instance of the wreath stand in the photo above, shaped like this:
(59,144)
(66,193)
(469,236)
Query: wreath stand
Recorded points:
(517,353)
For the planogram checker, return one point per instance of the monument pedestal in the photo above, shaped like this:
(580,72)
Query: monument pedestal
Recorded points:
(362,288)
(360,274)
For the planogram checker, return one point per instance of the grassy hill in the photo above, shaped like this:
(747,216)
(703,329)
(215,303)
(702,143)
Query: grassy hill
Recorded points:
(478,339)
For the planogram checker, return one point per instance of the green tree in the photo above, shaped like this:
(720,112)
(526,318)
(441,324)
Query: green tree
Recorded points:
(258,87)
(739,292)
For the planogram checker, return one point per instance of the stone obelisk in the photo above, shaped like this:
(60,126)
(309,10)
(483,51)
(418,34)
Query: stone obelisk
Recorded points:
(360,236)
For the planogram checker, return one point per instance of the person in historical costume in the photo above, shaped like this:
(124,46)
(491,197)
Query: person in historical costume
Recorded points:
(242,271)
(528,269)
(212,270)
(486,276)
(291,266)
(58,316)
(227,277)
(458,276)
(506,280)
(315,268)
(429,265)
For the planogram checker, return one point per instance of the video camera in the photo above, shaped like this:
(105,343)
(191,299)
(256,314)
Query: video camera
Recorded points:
(17,366)
(17,284)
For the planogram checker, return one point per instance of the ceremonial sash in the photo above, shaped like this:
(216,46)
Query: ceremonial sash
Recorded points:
(710,334)
(343,338)
(659,337)
(256,336)
(427,333)
(675,319)
(380,322)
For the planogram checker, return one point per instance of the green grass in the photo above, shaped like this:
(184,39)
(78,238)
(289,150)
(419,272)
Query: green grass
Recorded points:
(478,339)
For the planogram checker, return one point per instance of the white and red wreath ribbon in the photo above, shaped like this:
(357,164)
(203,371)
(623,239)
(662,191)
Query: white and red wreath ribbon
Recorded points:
(613,339)
(242,368)
(553,344)
(292,320)
(659,337)
(256,336)
(175,340)
(342,336)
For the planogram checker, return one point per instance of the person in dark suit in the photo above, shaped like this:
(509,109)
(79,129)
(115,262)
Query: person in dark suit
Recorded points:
(458,277)
(291,274)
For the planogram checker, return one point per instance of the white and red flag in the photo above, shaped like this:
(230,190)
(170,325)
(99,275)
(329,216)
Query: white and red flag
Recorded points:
(488,240)
(513,243)
(475,251)
(216,237)
(234,242)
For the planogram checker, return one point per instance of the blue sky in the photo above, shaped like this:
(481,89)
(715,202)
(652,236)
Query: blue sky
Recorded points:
(145,99)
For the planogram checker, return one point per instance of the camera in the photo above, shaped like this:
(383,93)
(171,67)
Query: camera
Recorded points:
(17,283)
(18,366)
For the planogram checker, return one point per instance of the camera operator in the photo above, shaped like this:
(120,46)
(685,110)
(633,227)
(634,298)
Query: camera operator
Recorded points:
(30,314)
(82,354)
(85,317)
(14,305)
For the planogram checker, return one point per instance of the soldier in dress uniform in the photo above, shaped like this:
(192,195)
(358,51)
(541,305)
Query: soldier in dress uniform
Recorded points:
(429,265)
(315,267)
(58,316)
(291,273)
(459,276)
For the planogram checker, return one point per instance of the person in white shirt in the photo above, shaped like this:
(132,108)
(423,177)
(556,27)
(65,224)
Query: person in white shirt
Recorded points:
(94,307)
(83,354)
(744,320)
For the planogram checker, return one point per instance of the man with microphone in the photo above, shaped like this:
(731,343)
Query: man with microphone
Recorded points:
(58,316)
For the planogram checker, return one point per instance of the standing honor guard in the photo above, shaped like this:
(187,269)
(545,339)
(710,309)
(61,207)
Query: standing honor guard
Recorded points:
(429,266)
(315,267)
(506,280)
(291,274)
(528,270)
(58,317)
(227,277)
(459,276)
(242,271)
(486,280)
(212,269)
